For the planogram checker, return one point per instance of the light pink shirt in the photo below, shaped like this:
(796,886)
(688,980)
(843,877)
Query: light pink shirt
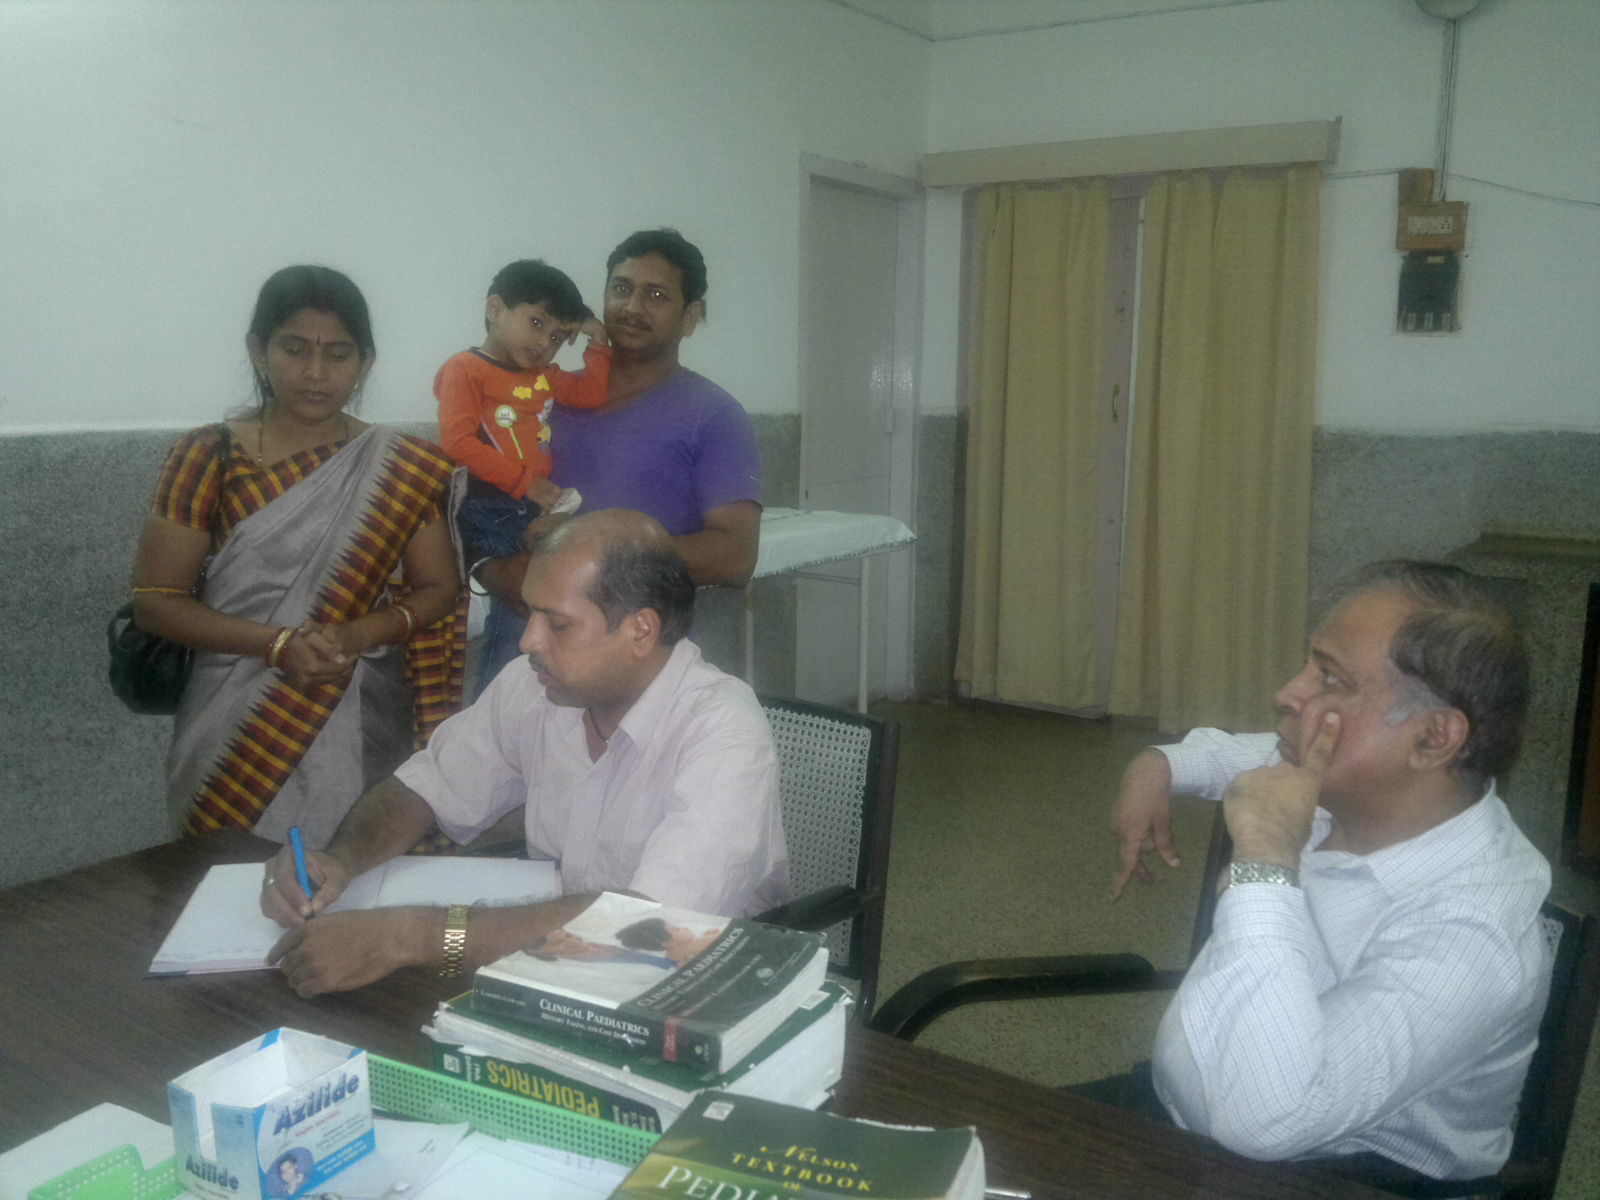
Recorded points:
(681,807)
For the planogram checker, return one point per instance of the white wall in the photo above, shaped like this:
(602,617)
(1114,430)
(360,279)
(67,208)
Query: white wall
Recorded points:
(161,158)
(1528,95)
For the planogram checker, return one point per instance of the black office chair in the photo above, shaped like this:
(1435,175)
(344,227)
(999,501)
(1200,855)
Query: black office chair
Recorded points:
(836,774)
(1548,1096)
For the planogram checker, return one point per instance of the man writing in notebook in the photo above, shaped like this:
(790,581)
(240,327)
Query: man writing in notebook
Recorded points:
(1376,972)
(642,769)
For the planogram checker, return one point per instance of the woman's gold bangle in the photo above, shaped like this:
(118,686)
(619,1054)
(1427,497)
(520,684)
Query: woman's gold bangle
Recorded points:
(276,646)
(409,617)
(162,591)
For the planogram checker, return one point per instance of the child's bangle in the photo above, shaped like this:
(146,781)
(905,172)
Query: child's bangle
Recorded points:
(474,584)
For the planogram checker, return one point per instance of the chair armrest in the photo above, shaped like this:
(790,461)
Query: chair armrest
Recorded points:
(906,1013)
(820,909)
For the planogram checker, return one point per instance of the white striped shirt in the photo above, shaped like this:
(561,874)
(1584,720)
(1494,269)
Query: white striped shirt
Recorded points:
(1390,1003)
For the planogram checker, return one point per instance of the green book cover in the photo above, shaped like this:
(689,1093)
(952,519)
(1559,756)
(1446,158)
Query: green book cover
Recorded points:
(737,1146)
(537,1082)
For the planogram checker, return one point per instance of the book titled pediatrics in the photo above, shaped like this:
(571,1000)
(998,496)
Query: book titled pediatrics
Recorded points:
(798,1064)
(738,1146)
(663,982)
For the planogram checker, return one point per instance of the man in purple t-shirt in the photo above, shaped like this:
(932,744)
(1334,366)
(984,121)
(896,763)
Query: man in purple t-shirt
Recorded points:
(667,442)
(684,452)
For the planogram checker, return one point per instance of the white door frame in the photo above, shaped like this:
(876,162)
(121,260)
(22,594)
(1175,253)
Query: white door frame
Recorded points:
(897,571)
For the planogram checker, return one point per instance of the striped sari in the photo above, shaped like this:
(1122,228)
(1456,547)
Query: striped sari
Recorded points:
(316,537)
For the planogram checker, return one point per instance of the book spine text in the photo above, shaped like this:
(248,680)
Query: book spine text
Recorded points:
(663,1037)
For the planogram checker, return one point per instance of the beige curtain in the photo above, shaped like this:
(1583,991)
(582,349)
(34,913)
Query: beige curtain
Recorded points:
(1211,611)
(1027,599)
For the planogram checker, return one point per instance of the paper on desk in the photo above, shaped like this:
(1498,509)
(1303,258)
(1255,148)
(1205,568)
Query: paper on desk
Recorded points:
(487,1168)
(222,927)
(443,879)
(420,1161)
(408,1155)
(79,1139)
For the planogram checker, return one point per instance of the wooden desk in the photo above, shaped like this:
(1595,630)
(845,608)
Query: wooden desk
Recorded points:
(82,1025)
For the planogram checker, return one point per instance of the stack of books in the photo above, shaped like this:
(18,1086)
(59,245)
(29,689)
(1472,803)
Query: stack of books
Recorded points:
(633,1009)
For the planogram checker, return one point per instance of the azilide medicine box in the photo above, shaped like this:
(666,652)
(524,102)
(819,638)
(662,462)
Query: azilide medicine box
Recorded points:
(276,1117)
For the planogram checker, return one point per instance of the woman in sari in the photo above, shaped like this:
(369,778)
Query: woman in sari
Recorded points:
(326,625)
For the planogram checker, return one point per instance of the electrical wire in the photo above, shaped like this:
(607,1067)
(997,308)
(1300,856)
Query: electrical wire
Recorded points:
(1447,109)
(1471,178)
(1527,191)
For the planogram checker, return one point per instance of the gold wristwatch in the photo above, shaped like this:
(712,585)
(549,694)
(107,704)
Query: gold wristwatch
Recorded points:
(455,942)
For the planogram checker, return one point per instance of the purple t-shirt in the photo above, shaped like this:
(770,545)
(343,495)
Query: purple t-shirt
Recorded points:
(681,448)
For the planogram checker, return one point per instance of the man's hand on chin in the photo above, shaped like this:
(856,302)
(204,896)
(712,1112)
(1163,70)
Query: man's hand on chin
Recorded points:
(1269,809)
(340,951)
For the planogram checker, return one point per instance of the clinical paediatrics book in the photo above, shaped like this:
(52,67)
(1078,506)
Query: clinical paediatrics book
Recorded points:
(741,1148)
(662,982)
(798,1064)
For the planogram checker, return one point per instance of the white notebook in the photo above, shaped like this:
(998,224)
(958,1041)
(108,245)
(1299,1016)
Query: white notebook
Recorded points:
(222,927)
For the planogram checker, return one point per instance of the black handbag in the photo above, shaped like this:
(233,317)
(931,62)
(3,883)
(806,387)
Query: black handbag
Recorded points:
(148,672)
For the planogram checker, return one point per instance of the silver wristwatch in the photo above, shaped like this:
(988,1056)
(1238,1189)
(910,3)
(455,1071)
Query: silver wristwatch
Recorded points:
(1262,872)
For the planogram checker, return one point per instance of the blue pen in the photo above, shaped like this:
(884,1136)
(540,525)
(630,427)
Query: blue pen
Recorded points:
(299,849)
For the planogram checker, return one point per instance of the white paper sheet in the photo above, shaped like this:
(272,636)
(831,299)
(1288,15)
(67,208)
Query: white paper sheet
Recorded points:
(222,927)
(485,1168)
(408,1155)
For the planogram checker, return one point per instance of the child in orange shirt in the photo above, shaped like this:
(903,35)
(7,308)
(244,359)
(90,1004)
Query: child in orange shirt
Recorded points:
(493,401)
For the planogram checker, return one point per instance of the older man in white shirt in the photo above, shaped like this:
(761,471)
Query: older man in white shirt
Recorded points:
(640,767)
(1376,971)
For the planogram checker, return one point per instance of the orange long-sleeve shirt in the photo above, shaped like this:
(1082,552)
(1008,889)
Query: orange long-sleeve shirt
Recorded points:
(491,416)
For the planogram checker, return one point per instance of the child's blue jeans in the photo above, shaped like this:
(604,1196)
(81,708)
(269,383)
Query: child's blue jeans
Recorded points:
(491,525)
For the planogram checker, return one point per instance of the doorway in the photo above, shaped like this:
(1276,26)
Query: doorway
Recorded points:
(860,301)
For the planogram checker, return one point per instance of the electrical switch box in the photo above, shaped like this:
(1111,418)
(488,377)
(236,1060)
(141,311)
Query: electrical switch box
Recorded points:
(1432,234)
(1429,283)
